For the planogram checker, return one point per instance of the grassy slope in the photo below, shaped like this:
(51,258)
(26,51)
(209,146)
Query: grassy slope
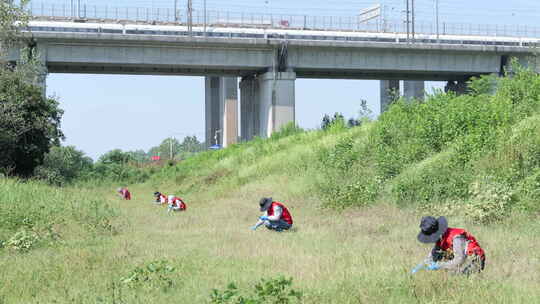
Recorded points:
(358,256)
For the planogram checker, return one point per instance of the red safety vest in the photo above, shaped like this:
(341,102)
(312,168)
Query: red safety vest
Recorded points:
(179,202)
(285,215)
(447,239)
(126,194)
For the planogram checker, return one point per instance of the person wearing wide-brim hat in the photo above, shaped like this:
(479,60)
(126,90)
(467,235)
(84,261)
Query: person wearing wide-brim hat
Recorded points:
(455,249)
(276,216)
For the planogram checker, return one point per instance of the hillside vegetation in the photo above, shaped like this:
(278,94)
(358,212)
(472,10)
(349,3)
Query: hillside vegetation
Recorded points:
(356,195)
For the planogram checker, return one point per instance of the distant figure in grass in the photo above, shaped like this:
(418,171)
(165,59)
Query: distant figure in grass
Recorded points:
(276,216)
(455,249)
(160,198)
(124,193)
(176,204)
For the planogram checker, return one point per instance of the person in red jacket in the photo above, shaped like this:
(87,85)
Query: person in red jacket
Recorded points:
(455,249)
(176,204)
(276,216)
(124,193)
(160,198)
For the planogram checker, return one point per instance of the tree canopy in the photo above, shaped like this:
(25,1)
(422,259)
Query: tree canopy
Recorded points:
(29,121)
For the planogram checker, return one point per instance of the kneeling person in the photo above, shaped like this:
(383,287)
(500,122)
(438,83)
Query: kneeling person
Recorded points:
(455,249)
(276,216)
(124,193)
(160,198)
(176,204)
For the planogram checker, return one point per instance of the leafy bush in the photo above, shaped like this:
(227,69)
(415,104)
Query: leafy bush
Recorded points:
(271,291)
(116,156)
(434,179)
(29,124)
(22,241)
(156,274)
(490,201)
(62,165)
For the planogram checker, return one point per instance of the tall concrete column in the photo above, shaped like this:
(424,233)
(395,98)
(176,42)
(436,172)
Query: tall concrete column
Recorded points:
(413,89)
(221,110)
(250,108)
(277,101)
(389,93)
(229,98)
(213,117)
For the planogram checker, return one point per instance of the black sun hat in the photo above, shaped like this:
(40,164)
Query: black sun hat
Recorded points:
(431,229)
(265,203)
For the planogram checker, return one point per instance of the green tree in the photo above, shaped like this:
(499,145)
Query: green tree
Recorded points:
(139,156)
(63,164)
(11,15)
(29,121)
(116,156)
(165,148)
(29,124)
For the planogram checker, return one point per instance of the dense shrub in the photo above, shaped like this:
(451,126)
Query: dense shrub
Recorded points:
(29,124)
(442,150)
(62,165)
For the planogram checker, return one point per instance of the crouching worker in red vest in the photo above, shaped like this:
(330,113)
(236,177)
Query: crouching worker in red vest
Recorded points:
(124,193)
(176,204)
(160,198)
(276,215)
(455,249)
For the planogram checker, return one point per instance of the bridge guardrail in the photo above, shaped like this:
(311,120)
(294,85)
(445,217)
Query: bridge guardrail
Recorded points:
(261,20)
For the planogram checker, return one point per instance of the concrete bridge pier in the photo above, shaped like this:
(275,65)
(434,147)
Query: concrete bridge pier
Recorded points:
(250,108)
(267,103)
(277,101)
(389,93)
(413,89)
(221,110)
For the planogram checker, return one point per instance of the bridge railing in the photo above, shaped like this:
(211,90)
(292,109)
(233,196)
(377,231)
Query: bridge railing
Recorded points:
(265,20)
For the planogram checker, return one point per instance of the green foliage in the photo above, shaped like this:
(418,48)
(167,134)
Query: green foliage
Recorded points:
(29,124)
(180,150)
(126,174)
(490,201)
(328,121)
(62,165)
(271,291)
(156,274)
(32,209)
(11,13)
(116,156)
(22,241)
(287,130)
(434,179)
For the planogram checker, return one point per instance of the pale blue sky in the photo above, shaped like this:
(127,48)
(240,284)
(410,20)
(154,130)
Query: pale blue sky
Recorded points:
(104,112)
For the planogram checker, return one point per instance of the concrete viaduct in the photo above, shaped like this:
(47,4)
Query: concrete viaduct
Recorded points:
(268,69)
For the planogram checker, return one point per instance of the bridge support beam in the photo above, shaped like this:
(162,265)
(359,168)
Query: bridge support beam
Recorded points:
(250,108)
(413,89)
(277,101)
(389,93)
(221,112)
